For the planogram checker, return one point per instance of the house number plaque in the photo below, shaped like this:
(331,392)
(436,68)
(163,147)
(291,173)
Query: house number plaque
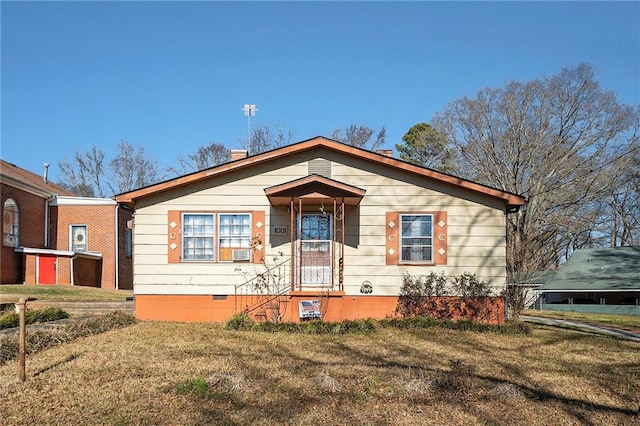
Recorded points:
(281,230)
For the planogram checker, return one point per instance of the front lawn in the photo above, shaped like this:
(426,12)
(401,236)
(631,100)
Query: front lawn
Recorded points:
(169,373)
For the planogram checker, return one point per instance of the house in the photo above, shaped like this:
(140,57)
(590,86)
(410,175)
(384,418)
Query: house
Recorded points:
(50,236)
(316,228)
(529,284)
(602,280)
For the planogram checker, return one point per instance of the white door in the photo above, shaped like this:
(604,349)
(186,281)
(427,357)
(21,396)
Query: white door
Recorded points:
(315,247)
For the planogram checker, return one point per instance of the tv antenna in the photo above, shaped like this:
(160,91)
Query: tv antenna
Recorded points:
(249,111)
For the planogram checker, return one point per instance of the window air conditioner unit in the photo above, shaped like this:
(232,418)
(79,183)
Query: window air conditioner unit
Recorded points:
(240,255)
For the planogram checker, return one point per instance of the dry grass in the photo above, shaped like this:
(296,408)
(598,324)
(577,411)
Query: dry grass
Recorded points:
(167,373)
(12,293)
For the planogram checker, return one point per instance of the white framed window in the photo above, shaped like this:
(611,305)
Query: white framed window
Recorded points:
(10,223)
(416,238)
(234,237)
(78,238)
(198,237)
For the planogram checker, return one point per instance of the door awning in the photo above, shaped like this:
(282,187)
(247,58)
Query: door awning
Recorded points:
(314,188)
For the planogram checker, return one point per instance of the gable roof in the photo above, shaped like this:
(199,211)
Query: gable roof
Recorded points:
(313,187)
(602,269)
(512,201)
(18,177)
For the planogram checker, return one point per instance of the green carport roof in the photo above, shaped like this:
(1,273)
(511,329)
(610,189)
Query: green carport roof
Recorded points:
(594,270)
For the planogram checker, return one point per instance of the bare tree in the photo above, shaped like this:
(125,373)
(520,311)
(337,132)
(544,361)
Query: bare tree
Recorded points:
(132,169)
(89,176)
(360,136)
(265,138)
(205,157)
(86,175)
(555,141)
(622,214)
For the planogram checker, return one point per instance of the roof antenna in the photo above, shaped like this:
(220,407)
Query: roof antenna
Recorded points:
(249,111)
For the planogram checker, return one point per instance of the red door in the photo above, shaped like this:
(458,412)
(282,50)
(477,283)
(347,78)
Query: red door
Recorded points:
(47,269)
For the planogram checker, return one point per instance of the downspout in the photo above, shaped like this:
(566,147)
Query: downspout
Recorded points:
(117,252)
(71,262)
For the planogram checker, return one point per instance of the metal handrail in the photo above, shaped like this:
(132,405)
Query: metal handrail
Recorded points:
(259,276)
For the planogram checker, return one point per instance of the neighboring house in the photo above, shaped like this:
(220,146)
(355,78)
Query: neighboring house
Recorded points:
(51,236)
(530,285)
(317,221)
(603,280)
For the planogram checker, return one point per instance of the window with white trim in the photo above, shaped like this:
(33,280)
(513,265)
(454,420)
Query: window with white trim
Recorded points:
(78,238)
(234,233)
(416,238)
(10,223)
(198,236)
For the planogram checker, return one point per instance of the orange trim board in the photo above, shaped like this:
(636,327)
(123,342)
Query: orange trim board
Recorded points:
(206,308)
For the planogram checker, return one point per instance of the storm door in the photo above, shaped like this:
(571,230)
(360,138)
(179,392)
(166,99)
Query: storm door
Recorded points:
(315,250)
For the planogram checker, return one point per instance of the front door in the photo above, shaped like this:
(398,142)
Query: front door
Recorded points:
(47,269)
(315,250)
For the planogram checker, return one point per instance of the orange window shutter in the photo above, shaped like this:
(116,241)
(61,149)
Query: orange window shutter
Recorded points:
(258,236)
(174,236)
(440,248)
(392,226)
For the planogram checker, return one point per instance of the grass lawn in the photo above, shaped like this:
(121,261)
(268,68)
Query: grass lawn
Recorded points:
(12,293)
(625,322)
(194,374)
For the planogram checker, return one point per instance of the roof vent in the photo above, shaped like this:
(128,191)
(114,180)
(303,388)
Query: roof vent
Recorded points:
(385,152)
(320,166)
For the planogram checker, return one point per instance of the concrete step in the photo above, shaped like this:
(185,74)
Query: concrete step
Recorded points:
(83,308)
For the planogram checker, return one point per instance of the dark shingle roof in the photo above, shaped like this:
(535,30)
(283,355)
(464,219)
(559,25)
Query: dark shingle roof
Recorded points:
(31,179)
(605,269)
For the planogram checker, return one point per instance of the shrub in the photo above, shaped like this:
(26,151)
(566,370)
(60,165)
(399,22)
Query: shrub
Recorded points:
(511,327)
(468,285)
(416,292)
(410,322)
(239,321)
(9,319)
(422,296)
(45,315)
(307,327)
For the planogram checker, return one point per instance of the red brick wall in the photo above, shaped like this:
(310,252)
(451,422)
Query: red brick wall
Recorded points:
(31,231)
(100,221)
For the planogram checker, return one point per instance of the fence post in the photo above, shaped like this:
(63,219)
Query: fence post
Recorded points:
(21,307)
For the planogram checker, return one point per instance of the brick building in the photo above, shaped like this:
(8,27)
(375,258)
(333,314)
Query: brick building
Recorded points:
(50,236)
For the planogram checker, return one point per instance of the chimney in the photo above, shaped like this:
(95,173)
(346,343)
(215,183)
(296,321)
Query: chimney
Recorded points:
(238,154)
(45,175)
(385,152)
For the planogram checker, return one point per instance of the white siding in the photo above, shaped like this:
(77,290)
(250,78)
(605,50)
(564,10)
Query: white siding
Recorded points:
(476,227)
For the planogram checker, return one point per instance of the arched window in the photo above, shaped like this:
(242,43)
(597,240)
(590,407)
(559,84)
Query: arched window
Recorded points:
(10,223)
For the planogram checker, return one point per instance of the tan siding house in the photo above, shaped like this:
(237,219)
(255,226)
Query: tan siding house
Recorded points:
(320,221)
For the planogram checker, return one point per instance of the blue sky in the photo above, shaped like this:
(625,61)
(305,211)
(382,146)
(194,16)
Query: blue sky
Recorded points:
(171,76)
